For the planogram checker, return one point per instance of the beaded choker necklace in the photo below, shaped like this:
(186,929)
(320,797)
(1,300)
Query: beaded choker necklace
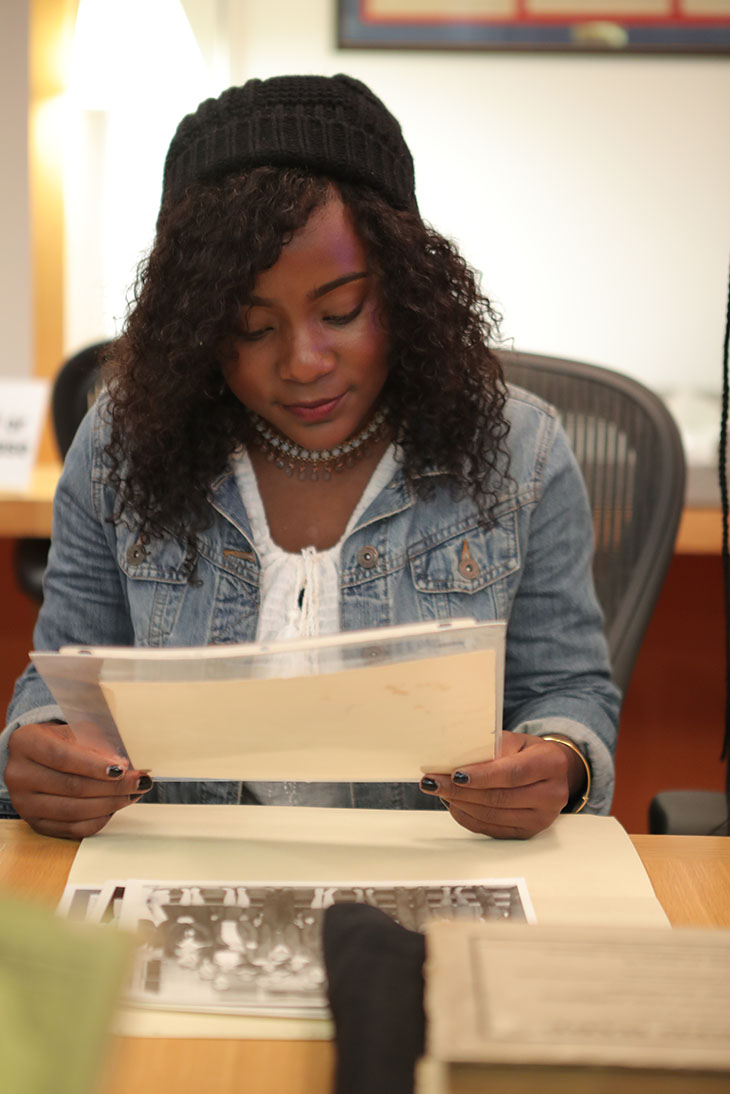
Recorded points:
(307,463)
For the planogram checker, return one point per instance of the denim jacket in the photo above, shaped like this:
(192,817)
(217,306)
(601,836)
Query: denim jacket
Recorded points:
(407,559)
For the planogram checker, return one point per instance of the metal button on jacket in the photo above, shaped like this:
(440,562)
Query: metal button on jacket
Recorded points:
(367,557)
(468,566)
(136,554)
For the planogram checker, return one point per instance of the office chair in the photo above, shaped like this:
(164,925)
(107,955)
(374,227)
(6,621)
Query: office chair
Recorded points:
(630,452)
(689,813)
(706,812)
(75,388)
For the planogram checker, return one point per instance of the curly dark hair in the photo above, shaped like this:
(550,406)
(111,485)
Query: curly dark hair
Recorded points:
(175,423)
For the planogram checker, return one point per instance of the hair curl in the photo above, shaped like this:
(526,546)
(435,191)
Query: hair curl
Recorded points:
(175,423)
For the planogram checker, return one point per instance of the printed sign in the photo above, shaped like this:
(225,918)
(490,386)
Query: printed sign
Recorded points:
(22,408)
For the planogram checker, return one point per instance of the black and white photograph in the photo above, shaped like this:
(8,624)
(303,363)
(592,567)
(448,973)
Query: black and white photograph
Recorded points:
(79,901)
(107,908)
(255,948)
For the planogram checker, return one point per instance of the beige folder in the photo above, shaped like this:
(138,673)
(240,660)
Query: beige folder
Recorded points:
(380,705)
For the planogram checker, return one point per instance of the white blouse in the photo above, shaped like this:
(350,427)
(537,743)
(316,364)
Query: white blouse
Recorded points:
(300,592)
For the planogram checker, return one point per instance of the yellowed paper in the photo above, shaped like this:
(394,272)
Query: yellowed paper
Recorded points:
(381,722)
(590,996)
(136,1022)
(583,869)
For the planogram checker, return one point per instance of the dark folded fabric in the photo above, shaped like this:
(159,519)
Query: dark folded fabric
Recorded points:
(375,985)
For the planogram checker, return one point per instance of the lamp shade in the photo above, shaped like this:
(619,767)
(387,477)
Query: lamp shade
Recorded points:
(140,51)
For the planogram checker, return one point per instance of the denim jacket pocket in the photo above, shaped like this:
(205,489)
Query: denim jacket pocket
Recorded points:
(473,561)
(156,576)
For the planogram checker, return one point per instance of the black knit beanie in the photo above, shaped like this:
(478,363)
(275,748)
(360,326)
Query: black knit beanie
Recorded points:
(330,125)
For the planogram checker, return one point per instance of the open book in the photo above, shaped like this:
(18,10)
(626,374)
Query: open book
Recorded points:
(377,705)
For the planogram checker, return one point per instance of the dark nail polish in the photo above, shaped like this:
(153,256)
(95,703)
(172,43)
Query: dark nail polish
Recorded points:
(144,782)
(114,771)
(429,784)
(460,777)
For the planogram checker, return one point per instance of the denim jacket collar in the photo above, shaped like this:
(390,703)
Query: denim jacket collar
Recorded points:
(397,497)
(225,497)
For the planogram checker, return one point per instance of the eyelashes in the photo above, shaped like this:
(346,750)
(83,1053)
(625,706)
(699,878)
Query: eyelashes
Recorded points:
(254,335)
(332,320)
(343,320)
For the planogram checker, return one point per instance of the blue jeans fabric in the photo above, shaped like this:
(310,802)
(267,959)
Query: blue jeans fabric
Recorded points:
(104,586)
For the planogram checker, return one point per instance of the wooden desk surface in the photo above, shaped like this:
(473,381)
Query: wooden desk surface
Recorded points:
(29,514)
(690,875)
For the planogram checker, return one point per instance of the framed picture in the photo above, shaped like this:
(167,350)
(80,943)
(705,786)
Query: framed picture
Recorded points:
(576,26)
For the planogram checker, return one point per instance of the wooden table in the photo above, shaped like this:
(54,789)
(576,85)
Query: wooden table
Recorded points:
(29,514)
(690,875)
(700,532)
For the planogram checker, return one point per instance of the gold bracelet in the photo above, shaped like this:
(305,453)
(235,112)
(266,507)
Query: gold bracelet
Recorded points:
(570,807)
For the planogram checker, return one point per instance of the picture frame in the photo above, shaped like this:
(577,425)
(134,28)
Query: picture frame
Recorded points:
(573,26)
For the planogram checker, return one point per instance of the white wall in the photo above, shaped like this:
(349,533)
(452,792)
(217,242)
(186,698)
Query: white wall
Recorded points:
(113,166)
(15,280)
(593,193)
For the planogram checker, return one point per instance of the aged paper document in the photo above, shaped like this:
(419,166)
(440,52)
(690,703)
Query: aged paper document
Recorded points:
(579,996)
(380,722)
(383,704)
(583,869)
(242,948)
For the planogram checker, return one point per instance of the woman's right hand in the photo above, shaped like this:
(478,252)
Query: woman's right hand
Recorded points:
(62,788)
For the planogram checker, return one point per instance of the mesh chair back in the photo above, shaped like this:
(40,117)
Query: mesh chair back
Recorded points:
(75,389)
(630,452)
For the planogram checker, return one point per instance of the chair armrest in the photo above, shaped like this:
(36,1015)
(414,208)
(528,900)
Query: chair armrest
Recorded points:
(689,813)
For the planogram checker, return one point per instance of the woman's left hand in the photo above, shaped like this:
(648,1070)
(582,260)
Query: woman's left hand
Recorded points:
(516,795)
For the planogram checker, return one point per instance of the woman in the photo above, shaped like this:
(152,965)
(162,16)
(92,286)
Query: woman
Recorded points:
(306,431)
